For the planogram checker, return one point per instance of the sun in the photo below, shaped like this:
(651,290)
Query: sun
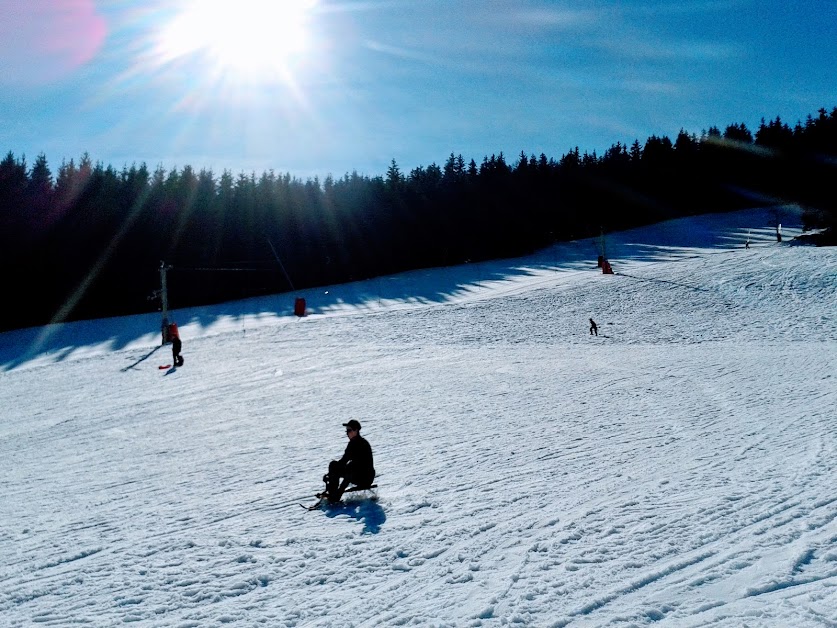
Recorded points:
(253,40)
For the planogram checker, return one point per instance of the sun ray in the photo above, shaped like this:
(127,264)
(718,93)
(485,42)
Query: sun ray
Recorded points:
(259,41)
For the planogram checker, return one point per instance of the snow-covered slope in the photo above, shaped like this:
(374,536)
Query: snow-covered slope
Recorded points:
(678,469)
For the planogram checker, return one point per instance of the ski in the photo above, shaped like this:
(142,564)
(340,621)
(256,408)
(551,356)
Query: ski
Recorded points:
(164,366)
(321,499)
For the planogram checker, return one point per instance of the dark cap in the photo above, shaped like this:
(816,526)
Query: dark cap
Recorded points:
(354,425)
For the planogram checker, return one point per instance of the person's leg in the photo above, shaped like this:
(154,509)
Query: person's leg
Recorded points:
(336,470)
(334,496)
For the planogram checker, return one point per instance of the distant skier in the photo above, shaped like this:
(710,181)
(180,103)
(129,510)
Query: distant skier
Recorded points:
(176,345)
(355,467)
(594,329)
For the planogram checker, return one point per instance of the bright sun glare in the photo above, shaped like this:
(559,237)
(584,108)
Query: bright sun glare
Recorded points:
(254,40)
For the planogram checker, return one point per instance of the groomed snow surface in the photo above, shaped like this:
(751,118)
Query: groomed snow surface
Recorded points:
(678,469)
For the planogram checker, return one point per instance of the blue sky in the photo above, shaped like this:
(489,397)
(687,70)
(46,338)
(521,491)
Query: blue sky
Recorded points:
(319,86)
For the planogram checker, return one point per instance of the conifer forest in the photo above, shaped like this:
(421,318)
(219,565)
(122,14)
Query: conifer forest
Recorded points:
(86,239)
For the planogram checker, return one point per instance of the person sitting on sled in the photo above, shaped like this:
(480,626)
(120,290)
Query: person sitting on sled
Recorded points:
(355,467)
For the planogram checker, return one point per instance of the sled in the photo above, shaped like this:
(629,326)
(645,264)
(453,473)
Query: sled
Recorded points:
(323,497)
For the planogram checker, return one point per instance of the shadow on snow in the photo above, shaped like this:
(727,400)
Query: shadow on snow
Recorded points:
(663,241)
(365,510)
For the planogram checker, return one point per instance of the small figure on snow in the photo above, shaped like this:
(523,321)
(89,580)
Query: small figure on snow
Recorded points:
(594,329)
(355,467)
(176,345)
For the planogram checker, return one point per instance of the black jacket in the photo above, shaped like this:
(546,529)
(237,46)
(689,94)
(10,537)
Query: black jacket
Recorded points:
(358,460)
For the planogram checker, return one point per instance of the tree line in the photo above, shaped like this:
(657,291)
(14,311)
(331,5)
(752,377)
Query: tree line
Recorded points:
(87,241)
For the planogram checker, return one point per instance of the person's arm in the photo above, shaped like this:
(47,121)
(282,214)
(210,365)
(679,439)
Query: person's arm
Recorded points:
(347,455)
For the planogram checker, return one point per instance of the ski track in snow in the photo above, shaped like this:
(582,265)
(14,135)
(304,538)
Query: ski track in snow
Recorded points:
(678,469)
